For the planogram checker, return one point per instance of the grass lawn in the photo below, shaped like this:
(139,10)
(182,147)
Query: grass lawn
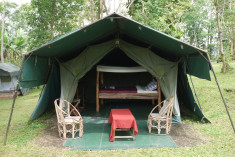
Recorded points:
(220,138)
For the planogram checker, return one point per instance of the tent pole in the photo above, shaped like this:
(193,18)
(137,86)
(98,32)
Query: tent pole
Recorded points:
(225,105)
(193,86)
(14,98)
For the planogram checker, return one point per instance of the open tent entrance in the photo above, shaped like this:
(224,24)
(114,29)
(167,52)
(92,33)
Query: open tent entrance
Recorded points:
(165,71)
(87,85)
(115,58)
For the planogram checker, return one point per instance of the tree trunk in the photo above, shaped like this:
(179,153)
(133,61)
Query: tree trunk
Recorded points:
(2,32)
(130,4)
(195,35)
(92,10)
(210,37)
(52,21)
(232,34)
(101,9)
(232,47)
(106,8)
(223,70)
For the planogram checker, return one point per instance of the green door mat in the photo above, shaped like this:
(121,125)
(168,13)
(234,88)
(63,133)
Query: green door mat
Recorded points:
(97,131)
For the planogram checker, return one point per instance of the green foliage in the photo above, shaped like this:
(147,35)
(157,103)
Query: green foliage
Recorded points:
(19,18)
(200,25)
(15,39)
(9,8)
(31,25)
(14,45)
(228,25)
(1,7)
(162,15)
(49,19)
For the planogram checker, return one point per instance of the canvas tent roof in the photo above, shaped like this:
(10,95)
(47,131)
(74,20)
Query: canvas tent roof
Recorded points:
(37,69)
(7,69)
(116,26)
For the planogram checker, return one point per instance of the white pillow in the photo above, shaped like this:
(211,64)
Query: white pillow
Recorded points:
(151,86)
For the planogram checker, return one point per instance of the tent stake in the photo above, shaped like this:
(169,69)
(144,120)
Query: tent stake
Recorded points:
(193,87)
(14,98)
(225,105)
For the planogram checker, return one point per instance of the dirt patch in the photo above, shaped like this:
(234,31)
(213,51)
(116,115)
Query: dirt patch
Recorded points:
(186,135)
(49,136)
(182,134)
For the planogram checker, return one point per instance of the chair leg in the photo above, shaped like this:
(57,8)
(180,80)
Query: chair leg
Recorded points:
(59,130)
(64,132)
(167,127)
(150,125)
(81,129)
(158,126)
(73,126)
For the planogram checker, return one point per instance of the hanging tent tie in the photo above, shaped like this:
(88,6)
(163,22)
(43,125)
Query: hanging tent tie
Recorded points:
(193,85)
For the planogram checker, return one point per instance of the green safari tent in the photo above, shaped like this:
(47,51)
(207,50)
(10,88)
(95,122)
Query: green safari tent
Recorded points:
(8,80)
(61,63)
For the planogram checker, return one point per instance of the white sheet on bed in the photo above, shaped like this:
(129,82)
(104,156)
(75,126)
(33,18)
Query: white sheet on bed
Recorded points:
(115,69)
(141,89)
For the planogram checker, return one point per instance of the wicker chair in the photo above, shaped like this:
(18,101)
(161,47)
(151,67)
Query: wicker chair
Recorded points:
(66,122)
(161,120)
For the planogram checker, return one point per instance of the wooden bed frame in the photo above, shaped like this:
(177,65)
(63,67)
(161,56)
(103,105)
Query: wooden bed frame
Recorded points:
(101,96)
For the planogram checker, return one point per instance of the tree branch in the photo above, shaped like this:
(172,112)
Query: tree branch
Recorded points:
(130,4)
(105,7)
(2,32)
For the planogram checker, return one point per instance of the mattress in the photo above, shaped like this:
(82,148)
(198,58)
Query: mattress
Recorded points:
(119,90)
(136,89)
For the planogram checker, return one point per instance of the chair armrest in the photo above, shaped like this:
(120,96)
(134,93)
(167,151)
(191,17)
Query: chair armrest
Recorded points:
(74,109)
(170,98)
(76,119)
(157,106)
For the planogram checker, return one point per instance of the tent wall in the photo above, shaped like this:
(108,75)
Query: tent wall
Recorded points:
(34,72)
(76,68)
(6,86)
(165,71)
(185,94)
(7,69)
(50,93)
(199,67)
(4,73)
(169,88)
